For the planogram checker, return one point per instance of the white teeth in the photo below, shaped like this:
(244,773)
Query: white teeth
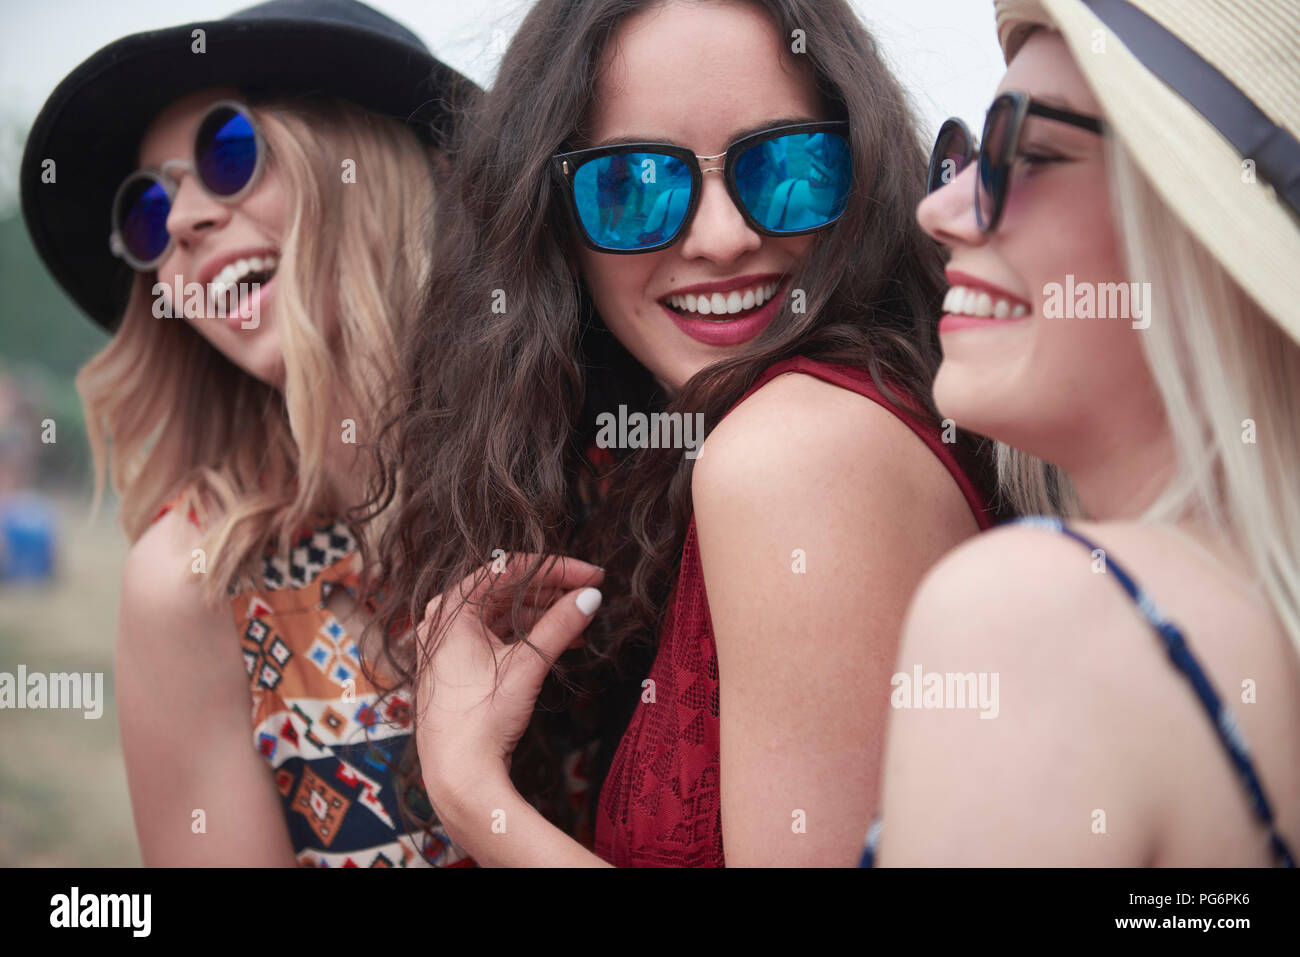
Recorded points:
(725,304)
(965,301)
(233,272)
(237,270)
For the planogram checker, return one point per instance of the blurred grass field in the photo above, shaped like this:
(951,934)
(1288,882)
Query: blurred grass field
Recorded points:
(63,792)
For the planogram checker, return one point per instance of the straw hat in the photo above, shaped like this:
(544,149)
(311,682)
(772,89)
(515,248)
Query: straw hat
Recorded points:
(1195,89)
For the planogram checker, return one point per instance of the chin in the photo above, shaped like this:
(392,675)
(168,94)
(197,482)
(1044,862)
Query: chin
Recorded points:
(272,372)
(953,393)
(266,368)
(973,404)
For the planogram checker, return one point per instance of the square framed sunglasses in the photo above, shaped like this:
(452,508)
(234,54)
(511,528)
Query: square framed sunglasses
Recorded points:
(228,156)
(996,151)
(640,197)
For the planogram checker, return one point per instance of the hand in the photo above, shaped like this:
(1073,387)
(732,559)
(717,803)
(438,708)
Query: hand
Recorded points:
(476,694)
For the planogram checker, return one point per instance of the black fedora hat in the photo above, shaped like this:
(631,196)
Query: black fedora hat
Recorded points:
(92,123)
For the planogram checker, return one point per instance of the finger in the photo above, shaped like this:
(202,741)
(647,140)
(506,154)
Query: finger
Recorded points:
(556,571)
(503,618)
(562,625)
(544,598)
(500,605)
(528,619)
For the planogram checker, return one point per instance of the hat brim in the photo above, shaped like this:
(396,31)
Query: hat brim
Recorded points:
(92,123)
(1193,168)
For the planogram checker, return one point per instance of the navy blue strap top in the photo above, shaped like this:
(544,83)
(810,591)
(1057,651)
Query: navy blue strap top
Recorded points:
(1181,655)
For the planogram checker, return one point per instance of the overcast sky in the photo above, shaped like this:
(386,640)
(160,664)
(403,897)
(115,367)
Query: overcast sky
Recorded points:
(945,51)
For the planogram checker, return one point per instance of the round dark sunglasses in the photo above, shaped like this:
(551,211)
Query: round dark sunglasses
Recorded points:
(640,197)
(997,150)
(229,153)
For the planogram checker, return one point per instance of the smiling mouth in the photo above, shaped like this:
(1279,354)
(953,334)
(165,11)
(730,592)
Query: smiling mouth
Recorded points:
(724,307)
(971,301)
(253,270)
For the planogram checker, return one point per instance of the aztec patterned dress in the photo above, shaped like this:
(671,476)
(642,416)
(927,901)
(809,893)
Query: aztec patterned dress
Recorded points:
(330,738)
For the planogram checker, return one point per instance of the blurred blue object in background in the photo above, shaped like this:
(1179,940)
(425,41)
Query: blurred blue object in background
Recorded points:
(27,538)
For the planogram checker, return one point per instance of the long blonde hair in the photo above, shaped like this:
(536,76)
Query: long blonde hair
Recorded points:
(1229,382)
(1229,379)
(182,419)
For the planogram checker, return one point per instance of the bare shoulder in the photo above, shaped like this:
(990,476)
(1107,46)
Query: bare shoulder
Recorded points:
(1018,621)
(159,583)
(1020,587)
(801,436)
(1097,706)
(1017,579)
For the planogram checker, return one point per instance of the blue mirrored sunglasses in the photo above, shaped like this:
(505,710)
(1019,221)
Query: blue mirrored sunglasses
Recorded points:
(229,153)
(640,197)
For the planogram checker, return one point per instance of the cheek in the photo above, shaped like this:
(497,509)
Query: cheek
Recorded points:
(618,286)
(268,205)
(1059,223)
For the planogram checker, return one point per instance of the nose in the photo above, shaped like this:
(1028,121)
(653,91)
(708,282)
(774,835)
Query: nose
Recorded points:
(193,211)
(718,232)
(948,214)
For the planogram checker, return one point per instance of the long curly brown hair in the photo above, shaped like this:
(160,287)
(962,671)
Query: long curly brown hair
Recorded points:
(500,405)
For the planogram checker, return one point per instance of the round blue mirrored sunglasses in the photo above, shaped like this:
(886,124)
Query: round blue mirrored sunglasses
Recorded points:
(229,152)
(640,197)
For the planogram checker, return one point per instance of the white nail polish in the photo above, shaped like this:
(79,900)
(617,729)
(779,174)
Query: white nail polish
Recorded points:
(588,601)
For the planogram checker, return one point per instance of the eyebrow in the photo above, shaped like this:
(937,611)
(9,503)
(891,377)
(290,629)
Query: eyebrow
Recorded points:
(739,135)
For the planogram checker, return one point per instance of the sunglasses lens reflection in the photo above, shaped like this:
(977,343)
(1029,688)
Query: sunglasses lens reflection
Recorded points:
(629,201)
(950,156)
(795,182)
(226,151)
(142,219)
(994,160)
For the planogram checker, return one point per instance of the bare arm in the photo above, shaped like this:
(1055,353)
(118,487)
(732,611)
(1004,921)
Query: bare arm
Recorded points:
(1060,770)
(818,512)
(184,713)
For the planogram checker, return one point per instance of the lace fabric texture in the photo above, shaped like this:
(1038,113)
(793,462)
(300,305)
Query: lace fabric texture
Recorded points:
(661,805)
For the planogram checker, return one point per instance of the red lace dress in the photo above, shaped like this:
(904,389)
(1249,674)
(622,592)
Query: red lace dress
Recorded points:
(660,805)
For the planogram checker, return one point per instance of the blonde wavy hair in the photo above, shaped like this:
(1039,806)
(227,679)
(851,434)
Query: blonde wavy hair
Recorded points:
(182,420)
(1227,374)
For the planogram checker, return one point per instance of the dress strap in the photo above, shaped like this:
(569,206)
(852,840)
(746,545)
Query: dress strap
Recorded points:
(1225,723)
(873,841)
(171,504)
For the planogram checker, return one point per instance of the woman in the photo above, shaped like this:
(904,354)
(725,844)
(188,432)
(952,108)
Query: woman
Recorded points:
(729,283)
(1177,423)
(274,198)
